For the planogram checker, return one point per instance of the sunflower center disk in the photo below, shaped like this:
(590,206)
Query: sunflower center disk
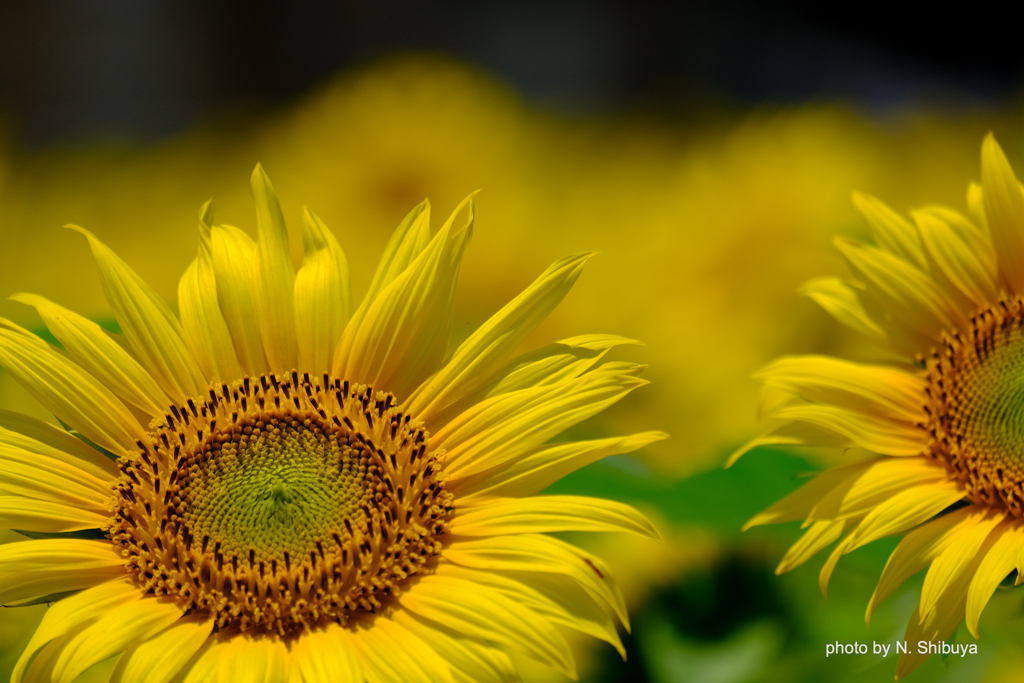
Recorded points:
(977,406)
(278,506)
(276,486)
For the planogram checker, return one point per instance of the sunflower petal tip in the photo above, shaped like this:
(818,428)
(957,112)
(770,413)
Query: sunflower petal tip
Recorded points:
(993,157)
(739,453)
(206,212)
(750,524)
(653,533)
(972,626)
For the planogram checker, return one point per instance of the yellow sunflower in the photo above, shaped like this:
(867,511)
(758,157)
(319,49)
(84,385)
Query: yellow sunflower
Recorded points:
(941,420)
(281,486)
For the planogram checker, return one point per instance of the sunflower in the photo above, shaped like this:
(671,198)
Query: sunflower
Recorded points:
(281,486)
(941,420)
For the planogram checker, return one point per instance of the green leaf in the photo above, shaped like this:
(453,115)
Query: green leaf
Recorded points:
(43,600)
(83,534)
(85,440)
(720,499)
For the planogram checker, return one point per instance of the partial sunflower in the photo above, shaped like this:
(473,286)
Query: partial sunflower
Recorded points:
(282,487)
(944,295)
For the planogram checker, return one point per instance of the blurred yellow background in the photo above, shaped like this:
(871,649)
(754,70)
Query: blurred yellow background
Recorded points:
(705,233)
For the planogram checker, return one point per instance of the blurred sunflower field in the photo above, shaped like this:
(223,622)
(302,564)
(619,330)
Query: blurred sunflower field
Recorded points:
(705,233)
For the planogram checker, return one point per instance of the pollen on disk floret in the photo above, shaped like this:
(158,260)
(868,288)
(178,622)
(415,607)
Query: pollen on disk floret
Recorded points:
(278,504)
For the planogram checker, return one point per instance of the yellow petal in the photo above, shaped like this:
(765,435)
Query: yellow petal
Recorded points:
(323,300)
(112,633)
(152,330)
(70,393)
(47,479)
(843,303)
(489,347)
(543,514)
(976,207)
(938,626)
(41,669)
(555,362)
(207,664)
(246,660)
(905,510)
(75,611)
(29,569)
(399,339)
(544,465)
(17,512)
(937,630)
(205,330)
(160,658)
(875,433)
(917,550)
(798,505)
(90,346)
(997,565)
(469,660)
(554,597)
(505,427)
(558,362)
(408,241)
(974,235)
(389,653)
(961,262)
(480,612)
(908,293)
(327,656)
(234,257)
(947,567)
(536,553)
(36,436)
(830,564)
(273,278)
(890,230)
(821,534)
(1004,210)
(788,433)
(884,478)
(574,608)
(872,389)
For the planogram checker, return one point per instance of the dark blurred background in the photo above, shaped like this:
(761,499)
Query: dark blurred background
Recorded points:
(76,70)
